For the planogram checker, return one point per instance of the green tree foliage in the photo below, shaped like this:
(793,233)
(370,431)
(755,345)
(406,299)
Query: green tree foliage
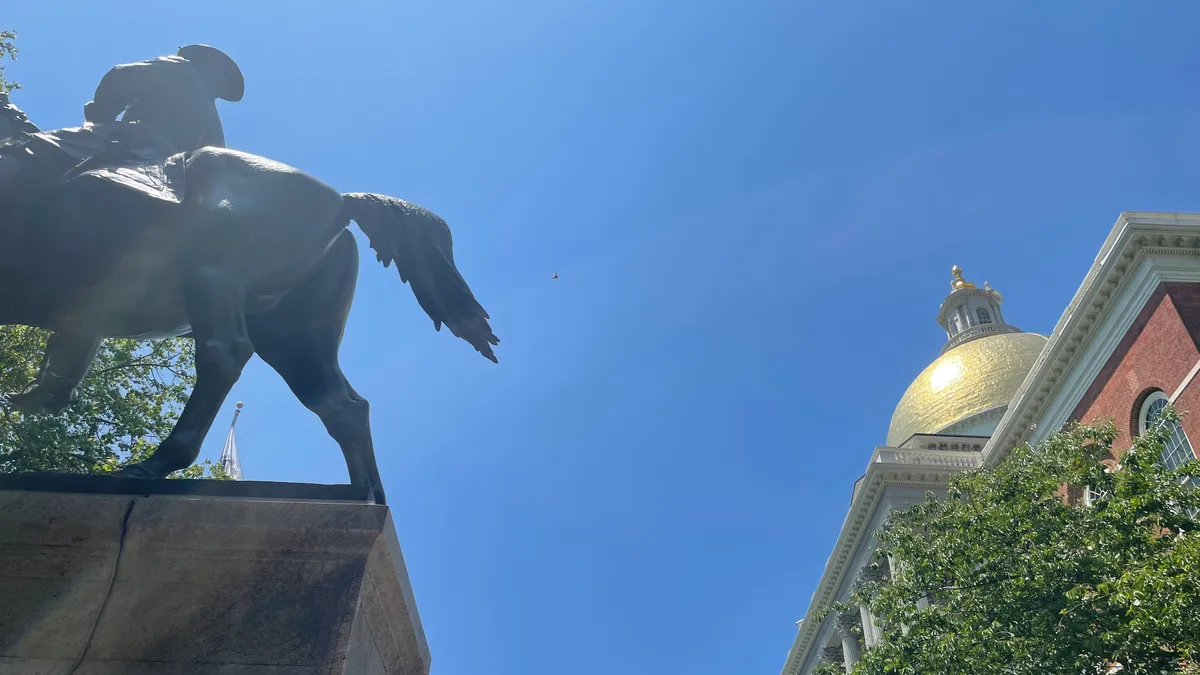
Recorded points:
(8,49)
(128,402)
(1018,579)
(126,405)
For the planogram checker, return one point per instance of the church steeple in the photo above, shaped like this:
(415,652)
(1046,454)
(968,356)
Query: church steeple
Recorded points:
(969,312)
(230,462)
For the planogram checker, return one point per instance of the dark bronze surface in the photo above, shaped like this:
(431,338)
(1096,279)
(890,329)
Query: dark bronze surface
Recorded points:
(144,229)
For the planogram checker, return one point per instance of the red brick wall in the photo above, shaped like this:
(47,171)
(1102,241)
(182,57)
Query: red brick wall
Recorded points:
(1157,352)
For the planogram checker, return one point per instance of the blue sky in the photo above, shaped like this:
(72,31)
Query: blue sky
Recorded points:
(753,208)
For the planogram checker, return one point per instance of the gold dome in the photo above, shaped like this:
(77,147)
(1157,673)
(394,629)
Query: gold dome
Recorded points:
(974,377)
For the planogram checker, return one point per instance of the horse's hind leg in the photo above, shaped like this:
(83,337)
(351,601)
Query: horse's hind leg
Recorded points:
(216,310)
(68,357)
(299,338)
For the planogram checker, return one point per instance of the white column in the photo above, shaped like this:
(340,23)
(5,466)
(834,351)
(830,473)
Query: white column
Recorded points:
(894,569)
(871,631)
(850,653)
(894,564)
(870,637)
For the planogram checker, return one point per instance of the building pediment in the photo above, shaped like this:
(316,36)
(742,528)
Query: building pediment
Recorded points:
(1142,251)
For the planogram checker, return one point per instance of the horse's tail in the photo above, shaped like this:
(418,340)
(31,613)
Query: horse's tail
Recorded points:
(419,242)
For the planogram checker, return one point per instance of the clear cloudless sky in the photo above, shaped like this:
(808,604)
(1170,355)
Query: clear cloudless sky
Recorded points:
(753,208)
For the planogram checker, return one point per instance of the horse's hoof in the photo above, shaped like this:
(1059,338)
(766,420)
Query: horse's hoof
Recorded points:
(29,403)
(136,471)
(16,403)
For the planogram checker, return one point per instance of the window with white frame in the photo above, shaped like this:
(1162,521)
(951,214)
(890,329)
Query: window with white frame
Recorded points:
(984,316)
(1178,449)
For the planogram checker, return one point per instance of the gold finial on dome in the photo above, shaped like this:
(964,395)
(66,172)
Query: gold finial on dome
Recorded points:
(958,283)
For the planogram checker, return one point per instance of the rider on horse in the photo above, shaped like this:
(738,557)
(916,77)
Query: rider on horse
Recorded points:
(168,106)
(172,98)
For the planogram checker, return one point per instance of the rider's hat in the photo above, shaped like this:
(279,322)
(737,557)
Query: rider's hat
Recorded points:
(220,71)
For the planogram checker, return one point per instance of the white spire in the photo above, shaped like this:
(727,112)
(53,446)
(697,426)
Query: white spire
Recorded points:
(229,454)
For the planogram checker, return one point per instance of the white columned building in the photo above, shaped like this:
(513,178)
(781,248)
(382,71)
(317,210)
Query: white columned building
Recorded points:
(1127,344)
(939,428)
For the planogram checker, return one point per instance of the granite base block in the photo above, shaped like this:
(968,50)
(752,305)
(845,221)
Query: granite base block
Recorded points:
(102,582)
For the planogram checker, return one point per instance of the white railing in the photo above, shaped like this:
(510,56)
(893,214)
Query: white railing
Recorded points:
(978,331)
(958,459)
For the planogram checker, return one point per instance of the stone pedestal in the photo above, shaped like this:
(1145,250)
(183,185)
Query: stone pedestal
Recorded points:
(102,576)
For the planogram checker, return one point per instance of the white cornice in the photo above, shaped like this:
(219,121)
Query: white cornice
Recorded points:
(889,467)
(1142,251)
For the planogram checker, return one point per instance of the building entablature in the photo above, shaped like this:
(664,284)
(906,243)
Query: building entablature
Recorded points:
(896,478)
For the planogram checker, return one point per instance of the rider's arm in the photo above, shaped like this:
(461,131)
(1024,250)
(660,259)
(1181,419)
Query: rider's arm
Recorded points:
(121,86)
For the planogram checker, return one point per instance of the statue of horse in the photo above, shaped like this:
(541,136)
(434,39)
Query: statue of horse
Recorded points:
(253,257)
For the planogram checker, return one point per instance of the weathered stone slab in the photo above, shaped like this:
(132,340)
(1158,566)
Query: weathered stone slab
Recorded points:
(135,582)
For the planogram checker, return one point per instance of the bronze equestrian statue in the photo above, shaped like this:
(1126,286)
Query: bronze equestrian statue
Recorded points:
(139,235)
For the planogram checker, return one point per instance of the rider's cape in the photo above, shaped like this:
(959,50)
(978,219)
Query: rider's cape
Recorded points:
(121,153)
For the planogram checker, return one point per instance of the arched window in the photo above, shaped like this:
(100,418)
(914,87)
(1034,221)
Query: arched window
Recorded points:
(984,316)
(1178,449)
